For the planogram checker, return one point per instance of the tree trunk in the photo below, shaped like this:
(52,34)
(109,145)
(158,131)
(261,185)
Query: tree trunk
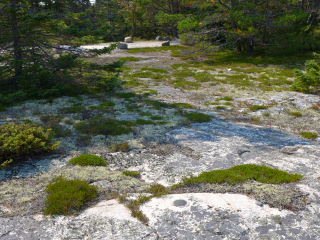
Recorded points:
(17,52)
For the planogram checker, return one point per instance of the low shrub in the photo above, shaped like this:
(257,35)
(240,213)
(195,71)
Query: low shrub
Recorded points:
(67,197)
(18,141)
(158,190)
(87,160)
(242,173)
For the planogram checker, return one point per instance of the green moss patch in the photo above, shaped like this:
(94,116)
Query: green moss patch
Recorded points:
(67,197)
(257,107)
(308,135)
(197,117)
(87,160)
(243,173)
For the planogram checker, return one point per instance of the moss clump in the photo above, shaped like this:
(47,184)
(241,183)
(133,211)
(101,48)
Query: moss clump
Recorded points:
(134,174)
(197,117)
(308,135)
(67,197)
(87,160)
(257,107)
(243,173)
(18,141)
(105,126)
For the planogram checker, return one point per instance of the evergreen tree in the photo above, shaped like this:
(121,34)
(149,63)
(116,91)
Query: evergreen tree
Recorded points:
(29,67)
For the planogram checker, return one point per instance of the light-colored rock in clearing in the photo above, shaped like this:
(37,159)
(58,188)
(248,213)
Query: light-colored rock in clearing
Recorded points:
(128,40)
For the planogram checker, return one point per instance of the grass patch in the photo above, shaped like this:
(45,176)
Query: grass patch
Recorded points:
(67,197)
(87,160)
(132,59)
(308,135)
(134,174)
(132,83)
(242,173)
(156,104)
(76,107)
(220,108)
(104,126)
(197,117)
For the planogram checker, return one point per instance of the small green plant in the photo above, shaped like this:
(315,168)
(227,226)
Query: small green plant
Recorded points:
(134,174)
(257,107)
(309,80)
(88,160)
(67,197)
(133,59)
(197,117)
(308,135)
(119,147)
(242,173)
(134,206)
(18,141)
(158,190)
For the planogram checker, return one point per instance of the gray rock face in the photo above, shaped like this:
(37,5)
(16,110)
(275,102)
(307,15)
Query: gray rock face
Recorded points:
(166,43)
(166,39)
(122,45)
(158,38)
(128,40)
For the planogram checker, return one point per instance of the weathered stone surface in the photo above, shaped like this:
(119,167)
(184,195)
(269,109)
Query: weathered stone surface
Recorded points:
(158,38)
(166,39)
(128,40)
(122,45)
(166,43)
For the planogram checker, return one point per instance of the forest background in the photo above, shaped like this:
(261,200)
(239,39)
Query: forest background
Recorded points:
(30,31)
